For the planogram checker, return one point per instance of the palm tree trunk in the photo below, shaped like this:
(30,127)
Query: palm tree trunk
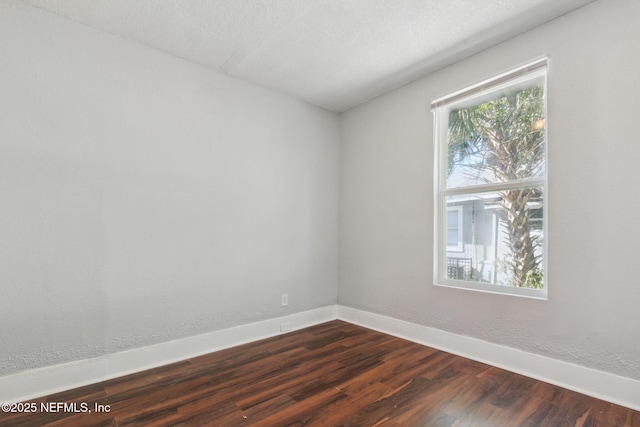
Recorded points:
(519,239)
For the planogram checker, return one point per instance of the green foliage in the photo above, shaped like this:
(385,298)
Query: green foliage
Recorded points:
(506,133)
(534,279)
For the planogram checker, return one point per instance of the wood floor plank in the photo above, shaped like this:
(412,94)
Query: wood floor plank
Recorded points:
(333,374)
(341,412)
(469,396)
(304,412)
(509,393)
(263,410)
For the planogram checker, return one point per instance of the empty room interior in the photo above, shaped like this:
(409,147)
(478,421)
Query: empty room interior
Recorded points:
(358,212)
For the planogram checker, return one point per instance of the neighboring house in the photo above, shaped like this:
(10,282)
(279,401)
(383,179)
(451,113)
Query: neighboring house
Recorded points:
(476,238)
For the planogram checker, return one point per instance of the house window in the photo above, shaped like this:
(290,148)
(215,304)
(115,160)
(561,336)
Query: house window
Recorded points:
(491,184)
(454,228)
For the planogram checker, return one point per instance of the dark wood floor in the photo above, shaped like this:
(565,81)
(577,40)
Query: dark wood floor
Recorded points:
(334,374)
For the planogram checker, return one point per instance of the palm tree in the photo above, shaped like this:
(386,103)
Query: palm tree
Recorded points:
(503,141)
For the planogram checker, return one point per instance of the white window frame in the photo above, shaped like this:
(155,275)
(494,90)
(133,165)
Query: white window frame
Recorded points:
(441,108)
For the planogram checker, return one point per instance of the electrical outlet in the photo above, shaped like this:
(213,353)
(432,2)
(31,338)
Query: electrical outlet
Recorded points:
(285,300)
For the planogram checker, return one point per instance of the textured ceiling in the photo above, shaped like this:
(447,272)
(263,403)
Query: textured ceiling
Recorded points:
(331,53)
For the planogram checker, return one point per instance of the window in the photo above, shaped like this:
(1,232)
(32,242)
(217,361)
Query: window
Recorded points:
(491,184)
(454,228)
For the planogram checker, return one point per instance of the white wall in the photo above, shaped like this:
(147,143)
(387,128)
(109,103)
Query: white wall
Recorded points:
(592,316)
(144,198)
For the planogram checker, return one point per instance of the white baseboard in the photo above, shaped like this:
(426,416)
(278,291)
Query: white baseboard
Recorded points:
(602,385)
(26,385)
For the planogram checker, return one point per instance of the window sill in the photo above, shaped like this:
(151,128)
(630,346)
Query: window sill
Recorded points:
(540,294)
